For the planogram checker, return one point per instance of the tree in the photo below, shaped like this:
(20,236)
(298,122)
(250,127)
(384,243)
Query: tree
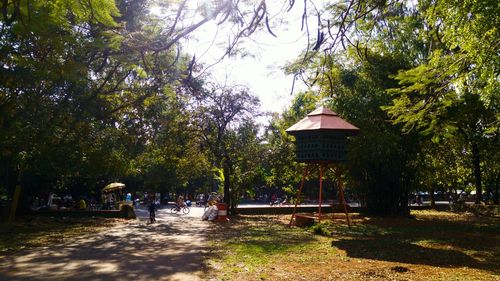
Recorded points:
(220,112)
(47,52)
(246,153)
(452,92)
(382,159)
(441,108)
(443,166)
(76,94)
(281,171)
(444,68)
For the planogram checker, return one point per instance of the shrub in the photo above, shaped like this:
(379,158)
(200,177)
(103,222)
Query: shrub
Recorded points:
(477,210)
(128,211)
(321,229)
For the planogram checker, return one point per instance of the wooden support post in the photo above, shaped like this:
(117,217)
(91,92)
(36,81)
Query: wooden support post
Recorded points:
(334,173)
(306,172)
(320,190)
(341,191)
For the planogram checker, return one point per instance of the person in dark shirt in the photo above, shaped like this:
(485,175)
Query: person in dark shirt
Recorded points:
(152,210)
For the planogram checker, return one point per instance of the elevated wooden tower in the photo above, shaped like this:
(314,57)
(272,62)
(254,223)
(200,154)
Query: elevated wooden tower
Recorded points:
(321,142)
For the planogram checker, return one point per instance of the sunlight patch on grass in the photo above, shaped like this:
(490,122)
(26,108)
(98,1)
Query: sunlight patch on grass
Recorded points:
(436,245)
(257,247)
(431,246)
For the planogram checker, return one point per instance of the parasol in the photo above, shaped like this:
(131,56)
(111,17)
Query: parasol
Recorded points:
(113,186)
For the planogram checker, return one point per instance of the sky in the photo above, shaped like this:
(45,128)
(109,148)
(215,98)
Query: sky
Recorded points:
(261,70)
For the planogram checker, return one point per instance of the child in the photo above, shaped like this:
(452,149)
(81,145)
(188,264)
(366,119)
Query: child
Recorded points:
(152,209)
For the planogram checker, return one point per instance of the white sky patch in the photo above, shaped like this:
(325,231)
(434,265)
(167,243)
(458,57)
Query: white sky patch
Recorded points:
(260,68)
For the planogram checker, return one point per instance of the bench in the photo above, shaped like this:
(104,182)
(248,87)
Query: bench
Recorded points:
(304,220)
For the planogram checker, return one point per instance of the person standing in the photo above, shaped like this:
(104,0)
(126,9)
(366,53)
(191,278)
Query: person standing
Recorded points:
(152,211)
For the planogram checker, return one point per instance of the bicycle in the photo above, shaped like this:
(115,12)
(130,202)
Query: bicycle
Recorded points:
(176,209)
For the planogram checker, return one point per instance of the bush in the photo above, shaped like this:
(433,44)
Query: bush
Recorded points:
(321,229)
(485,210)
(477,210)
(128,211)
(459,207)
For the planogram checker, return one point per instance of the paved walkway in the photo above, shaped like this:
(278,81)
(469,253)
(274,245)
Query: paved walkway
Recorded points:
(171,249)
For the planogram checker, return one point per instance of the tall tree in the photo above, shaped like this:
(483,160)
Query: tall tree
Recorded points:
(48,51)
(453,92)
(246,152)
(76,90)
(381,166)
(280,169)
(219,115)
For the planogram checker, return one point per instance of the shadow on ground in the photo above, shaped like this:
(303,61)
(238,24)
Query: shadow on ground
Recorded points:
(171,249)
(435,242)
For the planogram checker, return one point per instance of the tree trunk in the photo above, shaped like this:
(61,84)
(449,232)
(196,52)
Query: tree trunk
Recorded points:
(18,202)
(476,161)
(11,177)
(431,194)
(226,170)
(497,185)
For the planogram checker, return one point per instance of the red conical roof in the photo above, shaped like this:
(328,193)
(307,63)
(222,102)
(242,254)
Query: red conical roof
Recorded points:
(323,119)
(322,111)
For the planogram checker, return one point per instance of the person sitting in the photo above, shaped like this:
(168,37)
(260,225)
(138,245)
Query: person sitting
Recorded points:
(285,200)
(213,199)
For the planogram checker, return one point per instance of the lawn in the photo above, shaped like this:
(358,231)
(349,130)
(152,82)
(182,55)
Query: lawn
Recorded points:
(42,231)
(430,246)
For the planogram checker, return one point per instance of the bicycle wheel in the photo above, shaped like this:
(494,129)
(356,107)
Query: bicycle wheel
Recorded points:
(174,210)
(185,210)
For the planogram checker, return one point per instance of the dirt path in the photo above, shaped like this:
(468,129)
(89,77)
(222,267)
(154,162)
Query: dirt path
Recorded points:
(171,249)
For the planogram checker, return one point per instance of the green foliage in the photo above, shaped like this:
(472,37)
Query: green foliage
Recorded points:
(45,96)
(381,166)
(81,104)
(128,210)
(321,229)
(470,36)
(280,169)
(225,128)
(452,95)
(97,91)
(441,84)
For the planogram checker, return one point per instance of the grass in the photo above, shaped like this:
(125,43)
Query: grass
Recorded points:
(42,231)
(430,246)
